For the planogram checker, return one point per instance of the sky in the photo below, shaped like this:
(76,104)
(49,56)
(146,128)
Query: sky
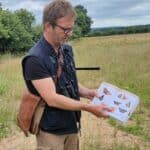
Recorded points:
(104,13)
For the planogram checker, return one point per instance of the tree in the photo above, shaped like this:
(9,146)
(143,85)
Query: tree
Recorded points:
(36,32)
(76,33)
(83,20)
(27,18)
(28,21)
(13,36)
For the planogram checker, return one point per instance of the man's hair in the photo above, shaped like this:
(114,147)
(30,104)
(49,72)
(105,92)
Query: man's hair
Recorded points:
(57,9)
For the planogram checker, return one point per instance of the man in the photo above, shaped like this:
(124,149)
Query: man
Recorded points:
(60,122)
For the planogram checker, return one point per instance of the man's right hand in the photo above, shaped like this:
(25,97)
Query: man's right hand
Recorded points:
(99,110)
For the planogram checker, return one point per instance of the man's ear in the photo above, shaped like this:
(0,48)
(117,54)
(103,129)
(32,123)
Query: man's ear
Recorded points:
(47,26)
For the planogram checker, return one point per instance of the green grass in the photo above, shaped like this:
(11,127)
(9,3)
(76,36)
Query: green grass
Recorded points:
(4,127)
(124,61)
(94,144)
(2,88)
(122,147)
(11,86)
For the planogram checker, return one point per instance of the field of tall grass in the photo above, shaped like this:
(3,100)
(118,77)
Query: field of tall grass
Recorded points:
(124,61)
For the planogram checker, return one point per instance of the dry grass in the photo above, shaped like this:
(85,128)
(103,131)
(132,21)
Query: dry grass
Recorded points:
(11,86)
(97,134)
(124,61)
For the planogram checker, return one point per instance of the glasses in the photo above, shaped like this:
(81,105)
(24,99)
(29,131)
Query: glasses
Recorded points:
(66,30)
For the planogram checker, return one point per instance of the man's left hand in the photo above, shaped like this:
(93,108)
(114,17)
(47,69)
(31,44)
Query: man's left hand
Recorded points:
(91,93)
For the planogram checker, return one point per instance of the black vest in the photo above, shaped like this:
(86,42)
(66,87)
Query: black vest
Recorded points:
(56,120)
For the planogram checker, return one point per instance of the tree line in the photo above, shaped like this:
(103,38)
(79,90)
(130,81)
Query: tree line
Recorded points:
(119,30)
(19,31)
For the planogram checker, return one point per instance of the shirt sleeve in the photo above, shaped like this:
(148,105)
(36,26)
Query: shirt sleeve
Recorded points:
(34,69)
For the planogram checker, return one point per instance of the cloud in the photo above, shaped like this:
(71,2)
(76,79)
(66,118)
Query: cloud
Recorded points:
(120,22)
(28,4)
(118,12)
(102,12)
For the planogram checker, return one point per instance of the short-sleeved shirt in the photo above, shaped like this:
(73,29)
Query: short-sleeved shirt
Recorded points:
(34,70)
(35,67)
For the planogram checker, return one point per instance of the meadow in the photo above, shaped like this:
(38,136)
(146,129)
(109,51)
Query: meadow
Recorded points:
(124,61)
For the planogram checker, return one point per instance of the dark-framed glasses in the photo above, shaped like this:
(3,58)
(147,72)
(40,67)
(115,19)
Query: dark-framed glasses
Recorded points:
(66,30)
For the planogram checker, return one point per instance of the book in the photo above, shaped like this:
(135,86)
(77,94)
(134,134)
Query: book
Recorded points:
(123,101)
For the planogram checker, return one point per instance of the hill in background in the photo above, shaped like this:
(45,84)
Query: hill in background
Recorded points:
(119,30)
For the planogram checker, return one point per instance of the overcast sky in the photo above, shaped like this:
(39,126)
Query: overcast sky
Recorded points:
(104,13)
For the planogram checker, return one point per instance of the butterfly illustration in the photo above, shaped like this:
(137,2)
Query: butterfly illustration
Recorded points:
(129,114)
(101,97)
(122,110)
(117,103)
(128,104)
(106,92)
(122,96)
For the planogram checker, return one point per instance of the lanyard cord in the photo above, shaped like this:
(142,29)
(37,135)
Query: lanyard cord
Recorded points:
(60,62)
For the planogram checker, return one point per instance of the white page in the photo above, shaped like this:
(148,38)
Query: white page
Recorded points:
(123,101)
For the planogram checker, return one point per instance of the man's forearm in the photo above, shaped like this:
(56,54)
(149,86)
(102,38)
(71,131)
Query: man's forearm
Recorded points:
(66,103)
(47,90)
(83,91)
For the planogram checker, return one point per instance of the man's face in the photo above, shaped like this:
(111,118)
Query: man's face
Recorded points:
(63,29)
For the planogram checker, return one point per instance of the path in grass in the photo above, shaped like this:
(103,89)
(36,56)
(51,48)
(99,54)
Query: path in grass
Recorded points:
(96,134)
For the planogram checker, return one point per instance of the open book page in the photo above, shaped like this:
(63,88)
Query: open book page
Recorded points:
(123,101)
